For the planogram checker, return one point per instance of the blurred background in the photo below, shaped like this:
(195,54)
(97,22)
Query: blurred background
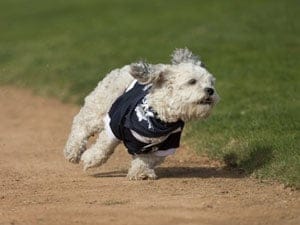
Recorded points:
(63,48)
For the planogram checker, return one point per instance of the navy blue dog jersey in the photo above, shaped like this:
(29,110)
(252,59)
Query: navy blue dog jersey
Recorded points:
(135,123)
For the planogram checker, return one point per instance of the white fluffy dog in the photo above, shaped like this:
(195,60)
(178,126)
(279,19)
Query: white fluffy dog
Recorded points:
(145,107)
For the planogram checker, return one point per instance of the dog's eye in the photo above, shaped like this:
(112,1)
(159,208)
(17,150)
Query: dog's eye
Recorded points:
(192,81)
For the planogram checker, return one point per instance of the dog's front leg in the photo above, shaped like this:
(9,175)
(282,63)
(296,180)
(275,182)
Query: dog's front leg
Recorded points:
(98,153)
(142,166)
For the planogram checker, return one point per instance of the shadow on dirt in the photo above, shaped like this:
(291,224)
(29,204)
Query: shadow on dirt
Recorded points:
(182,172)
(259,156)
(119,173)
(200,172)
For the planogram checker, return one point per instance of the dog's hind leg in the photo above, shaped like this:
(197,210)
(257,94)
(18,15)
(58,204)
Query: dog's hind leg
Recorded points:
(99,153)
(90,118)
(85,124)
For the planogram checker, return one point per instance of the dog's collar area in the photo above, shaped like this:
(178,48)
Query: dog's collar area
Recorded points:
(149,118)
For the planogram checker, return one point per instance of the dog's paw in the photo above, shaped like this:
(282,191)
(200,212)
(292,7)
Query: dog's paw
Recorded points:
(87,161)
(72,154)
(149,175)
(73,158)
(91,159)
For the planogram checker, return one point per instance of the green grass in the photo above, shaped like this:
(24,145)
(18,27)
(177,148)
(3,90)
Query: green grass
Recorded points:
(63,48)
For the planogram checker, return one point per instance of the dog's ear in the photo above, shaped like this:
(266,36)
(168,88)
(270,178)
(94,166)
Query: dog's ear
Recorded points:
(145,73)
(183,55)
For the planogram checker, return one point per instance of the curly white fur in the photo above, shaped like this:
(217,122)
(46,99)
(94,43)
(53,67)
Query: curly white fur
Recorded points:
(185,56)
(181,90)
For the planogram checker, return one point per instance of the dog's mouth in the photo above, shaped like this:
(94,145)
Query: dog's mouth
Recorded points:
(205,101)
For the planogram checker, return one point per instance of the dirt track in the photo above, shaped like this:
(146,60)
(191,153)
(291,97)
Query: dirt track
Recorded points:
(39,187)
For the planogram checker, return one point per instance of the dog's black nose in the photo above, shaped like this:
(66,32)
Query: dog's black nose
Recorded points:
(209,91)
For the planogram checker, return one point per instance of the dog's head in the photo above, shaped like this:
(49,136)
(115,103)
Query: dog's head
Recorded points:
(181,90)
